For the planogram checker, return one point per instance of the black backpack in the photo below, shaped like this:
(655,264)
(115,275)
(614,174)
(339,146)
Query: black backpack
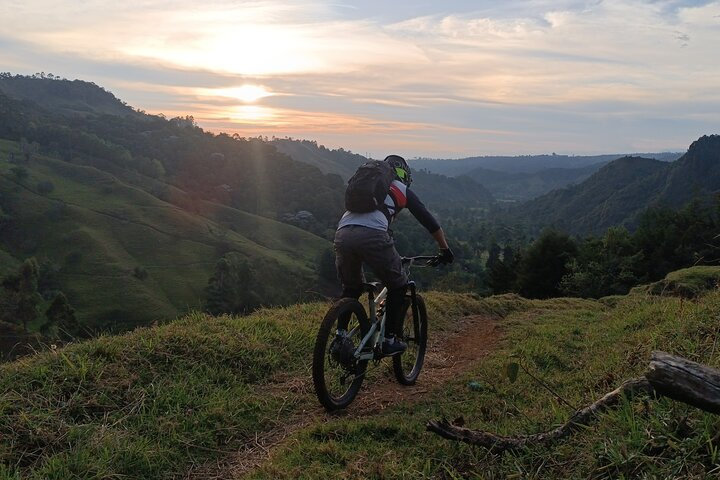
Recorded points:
(368,187)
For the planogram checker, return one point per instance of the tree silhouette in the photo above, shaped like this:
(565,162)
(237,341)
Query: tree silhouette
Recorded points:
(21,294)
(61,315)
(544,264)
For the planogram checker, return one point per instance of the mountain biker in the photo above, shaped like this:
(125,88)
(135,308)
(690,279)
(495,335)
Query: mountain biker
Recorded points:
(363,238)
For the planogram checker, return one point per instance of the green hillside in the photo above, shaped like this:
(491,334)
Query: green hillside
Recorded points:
(207,397)
(340,162)
(128,214)
(97,230)
(620,191)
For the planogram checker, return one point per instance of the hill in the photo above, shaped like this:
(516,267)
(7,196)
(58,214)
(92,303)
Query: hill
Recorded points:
(129,213)
(230,398)
(525,163)
(621,190)
(521,178)
(97,232)
(340,161)
(522,186)
(74,97)
(437,191)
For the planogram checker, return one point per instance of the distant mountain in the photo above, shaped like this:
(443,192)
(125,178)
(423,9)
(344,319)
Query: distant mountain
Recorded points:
(622,189)
(524,186)
(439,191)
(525,177)
(526,163)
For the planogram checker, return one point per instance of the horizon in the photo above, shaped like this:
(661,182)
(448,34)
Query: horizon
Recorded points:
(453,80)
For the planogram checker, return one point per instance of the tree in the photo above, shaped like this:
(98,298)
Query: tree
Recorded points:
(326,265)
(502,272)
(231,288)
(62,315)
(45,187)
(22,297)
(545,264)
(20,173)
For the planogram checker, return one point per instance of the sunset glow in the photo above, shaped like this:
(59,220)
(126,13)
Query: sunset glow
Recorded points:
(246,93)
(438,78)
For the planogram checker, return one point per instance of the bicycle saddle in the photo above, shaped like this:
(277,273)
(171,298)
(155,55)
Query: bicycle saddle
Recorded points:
(374,287)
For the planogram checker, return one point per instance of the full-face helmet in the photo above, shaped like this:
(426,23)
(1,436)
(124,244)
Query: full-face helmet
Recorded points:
(402,169)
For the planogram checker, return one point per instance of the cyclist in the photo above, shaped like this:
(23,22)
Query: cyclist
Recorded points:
(363,238)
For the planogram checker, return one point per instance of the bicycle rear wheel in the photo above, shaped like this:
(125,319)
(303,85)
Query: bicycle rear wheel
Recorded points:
(414,331)
(337,375)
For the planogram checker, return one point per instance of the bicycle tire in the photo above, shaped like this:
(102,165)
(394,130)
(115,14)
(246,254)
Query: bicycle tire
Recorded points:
(408,365)
(326,371)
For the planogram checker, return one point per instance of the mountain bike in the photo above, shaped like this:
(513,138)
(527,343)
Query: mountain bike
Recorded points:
(349,338)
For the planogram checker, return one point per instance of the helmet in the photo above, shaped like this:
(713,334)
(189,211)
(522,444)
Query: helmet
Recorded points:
(402,170)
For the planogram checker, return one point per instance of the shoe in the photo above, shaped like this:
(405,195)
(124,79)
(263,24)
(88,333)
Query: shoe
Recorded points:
(393,346)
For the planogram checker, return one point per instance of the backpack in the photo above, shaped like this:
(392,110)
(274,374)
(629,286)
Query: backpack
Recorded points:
(368,187)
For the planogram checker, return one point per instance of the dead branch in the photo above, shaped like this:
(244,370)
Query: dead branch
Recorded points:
(669,375)
(578,419)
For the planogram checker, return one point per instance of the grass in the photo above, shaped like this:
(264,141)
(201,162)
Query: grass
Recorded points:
(688,282)
(97,229)
(158,401)
(581,350)
(153,402)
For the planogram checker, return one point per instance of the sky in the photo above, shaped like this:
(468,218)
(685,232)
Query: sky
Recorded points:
(433,79)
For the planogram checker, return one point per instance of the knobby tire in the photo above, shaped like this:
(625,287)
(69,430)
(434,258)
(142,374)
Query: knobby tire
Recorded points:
(327,374)
(408,365)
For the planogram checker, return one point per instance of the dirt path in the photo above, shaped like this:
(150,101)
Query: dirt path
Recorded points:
(454,352)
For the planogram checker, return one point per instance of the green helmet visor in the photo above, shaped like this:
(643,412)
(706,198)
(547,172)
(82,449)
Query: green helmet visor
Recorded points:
(402,174)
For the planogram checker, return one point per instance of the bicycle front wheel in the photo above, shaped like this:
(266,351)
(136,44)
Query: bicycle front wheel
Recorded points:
(337,374)
(407,366)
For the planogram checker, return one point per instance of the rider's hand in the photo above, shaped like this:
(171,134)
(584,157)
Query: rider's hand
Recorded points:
(445,257)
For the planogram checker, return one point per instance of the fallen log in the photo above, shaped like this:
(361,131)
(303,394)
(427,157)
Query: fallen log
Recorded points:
(669,375)
(686,381)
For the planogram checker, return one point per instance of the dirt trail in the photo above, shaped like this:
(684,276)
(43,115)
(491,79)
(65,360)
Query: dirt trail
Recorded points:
(448,355)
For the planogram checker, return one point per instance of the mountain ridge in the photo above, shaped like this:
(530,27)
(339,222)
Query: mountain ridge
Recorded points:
(618,192)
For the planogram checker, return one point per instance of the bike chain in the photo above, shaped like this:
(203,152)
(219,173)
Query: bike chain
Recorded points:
(376,361)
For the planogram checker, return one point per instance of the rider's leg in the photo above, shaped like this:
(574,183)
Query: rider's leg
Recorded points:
(387,265)
(394,305)
(349,267)
(348,261)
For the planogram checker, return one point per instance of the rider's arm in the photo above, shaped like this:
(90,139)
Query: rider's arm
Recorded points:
(439,237)
(425,218)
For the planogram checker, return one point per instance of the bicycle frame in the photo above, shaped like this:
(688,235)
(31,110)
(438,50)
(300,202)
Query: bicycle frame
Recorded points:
(377,327)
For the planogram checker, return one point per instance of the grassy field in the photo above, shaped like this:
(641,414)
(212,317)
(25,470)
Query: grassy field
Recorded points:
(160,402)
(580,351)
(154,402)
(97,230)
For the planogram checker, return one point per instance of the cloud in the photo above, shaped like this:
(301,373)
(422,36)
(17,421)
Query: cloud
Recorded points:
(477,77)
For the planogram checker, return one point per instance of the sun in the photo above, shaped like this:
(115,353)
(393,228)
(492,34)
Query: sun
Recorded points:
(247,93)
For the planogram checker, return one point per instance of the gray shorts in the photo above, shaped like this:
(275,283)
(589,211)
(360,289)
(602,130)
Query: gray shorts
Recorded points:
(356,245)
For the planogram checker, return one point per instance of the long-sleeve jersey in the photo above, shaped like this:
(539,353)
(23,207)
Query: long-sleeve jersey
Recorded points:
(398,197)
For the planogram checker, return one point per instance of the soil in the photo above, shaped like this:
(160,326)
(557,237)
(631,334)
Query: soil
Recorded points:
(448,355)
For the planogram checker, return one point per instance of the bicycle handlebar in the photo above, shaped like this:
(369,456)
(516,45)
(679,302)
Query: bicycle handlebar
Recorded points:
(420,258)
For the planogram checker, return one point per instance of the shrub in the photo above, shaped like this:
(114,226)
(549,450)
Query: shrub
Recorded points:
(45,187)
(140,273)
